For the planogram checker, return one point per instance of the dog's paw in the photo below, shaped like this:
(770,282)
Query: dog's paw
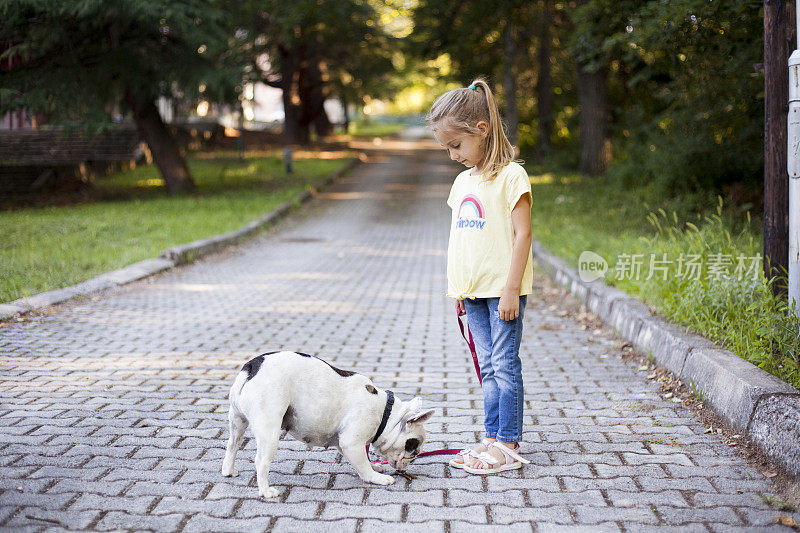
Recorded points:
(269,492)
(380,479)
(379,468)
(231,473)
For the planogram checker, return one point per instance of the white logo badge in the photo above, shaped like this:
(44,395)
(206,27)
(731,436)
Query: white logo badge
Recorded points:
(591,266)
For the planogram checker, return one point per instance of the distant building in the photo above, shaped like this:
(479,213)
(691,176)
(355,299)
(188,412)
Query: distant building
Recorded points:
(263,109)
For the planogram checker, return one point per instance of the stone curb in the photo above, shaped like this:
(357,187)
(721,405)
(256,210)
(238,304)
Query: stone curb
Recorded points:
(169,258)
(751,401)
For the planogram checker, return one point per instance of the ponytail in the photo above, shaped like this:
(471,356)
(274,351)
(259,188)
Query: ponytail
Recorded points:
(499,151)
(461,109)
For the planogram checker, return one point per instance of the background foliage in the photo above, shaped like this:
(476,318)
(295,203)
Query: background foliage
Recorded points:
(75,61)
(687,100)
(685,91)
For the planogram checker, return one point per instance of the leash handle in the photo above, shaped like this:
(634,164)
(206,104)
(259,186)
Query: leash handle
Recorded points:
(468,338)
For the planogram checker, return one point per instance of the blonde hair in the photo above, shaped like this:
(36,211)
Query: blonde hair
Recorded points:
(461,109)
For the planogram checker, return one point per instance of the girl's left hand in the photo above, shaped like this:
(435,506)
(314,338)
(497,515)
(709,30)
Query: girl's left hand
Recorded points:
(508,307)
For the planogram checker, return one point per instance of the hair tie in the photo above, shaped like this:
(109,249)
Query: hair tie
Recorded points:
(473,87)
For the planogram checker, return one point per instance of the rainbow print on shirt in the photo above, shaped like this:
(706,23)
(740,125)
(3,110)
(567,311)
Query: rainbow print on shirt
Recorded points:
(471,207)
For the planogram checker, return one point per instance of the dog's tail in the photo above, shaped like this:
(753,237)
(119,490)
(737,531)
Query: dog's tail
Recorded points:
(249,370)
(238,385)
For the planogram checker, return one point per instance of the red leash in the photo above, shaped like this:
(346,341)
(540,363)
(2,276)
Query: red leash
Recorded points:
(468,338)
(470,342)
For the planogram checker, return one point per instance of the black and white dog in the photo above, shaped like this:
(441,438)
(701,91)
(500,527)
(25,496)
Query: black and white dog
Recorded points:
(320,405)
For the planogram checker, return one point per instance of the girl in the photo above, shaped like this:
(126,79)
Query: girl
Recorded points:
(489,263)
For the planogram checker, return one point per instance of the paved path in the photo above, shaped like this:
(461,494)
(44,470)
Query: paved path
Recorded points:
(113,410)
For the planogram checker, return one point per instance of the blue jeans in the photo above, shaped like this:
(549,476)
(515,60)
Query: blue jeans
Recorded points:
(497,345)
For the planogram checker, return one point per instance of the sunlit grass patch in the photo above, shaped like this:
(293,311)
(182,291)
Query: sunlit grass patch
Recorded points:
(374,129)
(133,219)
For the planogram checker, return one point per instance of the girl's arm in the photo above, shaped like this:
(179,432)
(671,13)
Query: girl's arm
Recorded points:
(508,308)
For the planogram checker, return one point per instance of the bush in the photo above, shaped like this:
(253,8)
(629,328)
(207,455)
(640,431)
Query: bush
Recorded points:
(683,164)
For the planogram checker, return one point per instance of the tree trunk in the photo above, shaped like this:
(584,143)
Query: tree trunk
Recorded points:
(162,145)
(593,121)
(544,84)
(317,95)
(293,130)
(778,43)
(510,83)
(345,114)
(312,97)
(322,124)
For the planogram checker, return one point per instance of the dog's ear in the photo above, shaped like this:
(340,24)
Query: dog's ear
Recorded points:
(420,417)
(414,404)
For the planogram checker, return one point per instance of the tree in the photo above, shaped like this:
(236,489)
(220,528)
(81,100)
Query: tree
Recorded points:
(685,102)
(509,77)
(591,76)
(470,33)
(544,81)
(594,139)
(779,39)
(480,39)
(314,46)
(78,61)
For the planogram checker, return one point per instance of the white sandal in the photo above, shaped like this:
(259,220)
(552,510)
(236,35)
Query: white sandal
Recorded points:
(467,453)
(491,465)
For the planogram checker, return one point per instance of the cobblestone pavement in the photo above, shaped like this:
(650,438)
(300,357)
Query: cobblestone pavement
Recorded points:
(113,410)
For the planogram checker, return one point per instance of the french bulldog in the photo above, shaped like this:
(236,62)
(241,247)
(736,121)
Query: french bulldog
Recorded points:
(320,405)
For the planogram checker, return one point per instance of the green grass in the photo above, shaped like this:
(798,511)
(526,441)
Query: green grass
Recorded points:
(776,502)
(374,129)
(130,218)
(697,392)
(573,213)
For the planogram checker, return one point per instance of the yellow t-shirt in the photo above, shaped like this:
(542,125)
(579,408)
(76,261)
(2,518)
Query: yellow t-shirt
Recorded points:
(481,233)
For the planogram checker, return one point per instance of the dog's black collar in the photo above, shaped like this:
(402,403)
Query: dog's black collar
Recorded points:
(386,412)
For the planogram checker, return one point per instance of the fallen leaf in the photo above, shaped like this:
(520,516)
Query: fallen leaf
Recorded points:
(644,367)
(668,395)
(652,376)
(549,327)
(771,474)
(785,520)
(709,430)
